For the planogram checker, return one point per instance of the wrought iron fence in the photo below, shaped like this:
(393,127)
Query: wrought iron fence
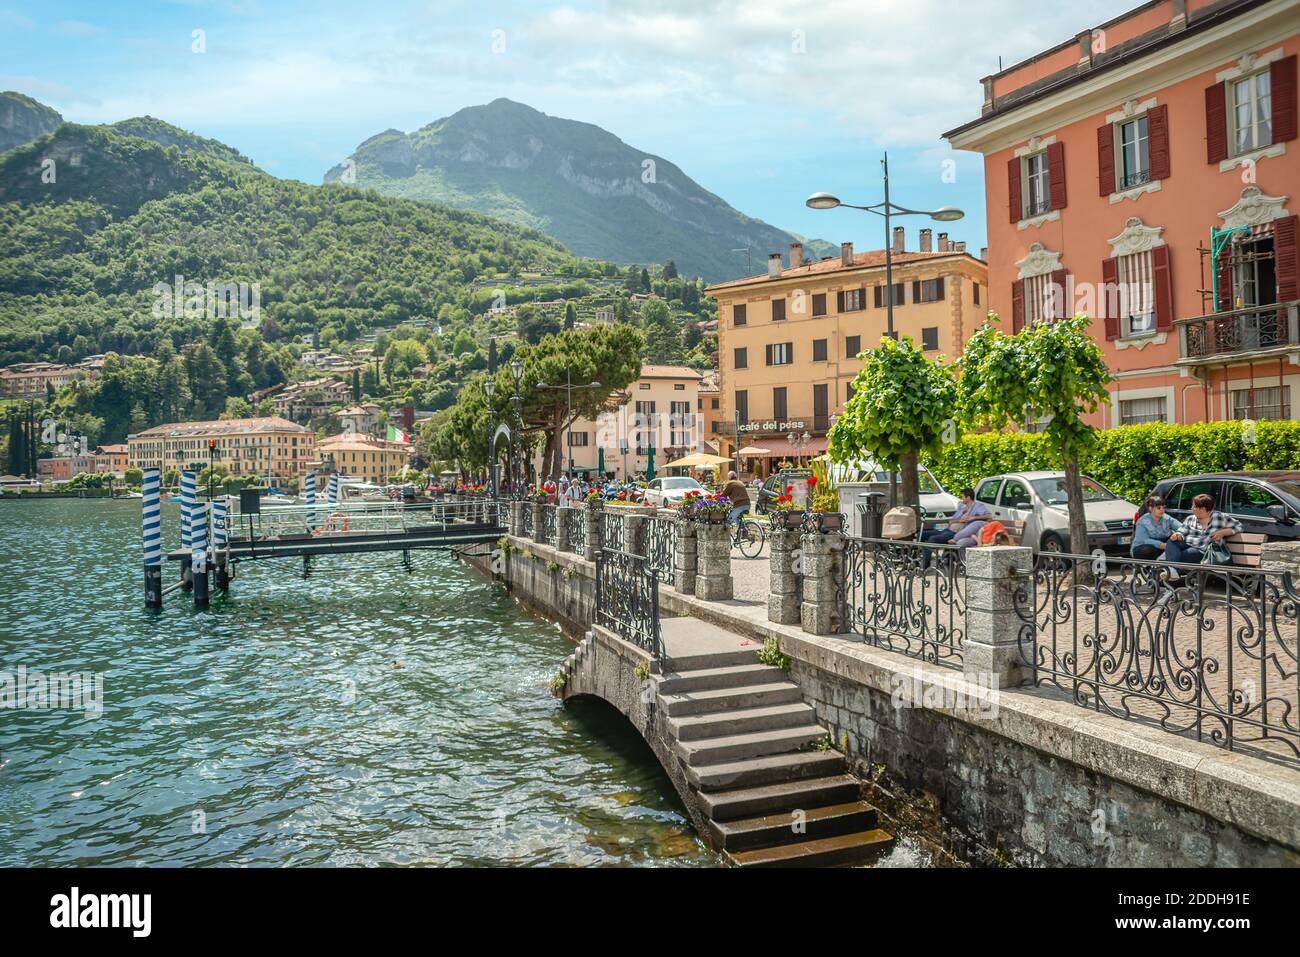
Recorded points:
(627,599)
(612,531)
(528,519)
(547,535)
(661,546)
(578,529)
(908,597)
(1209,652)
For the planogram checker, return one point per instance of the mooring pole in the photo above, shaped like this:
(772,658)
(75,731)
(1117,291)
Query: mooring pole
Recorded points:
(199,555)
(309,484)
(151,529)
(334,489)
(189,482)
(221,576)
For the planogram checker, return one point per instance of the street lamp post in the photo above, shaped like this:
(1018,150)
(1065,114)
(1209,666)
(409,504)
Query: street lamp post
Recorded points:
(490,388)
(516,438)
(887,209)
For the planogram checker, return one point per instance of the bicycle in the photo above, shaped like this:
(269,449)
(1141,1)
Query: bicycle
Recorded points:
(748,536)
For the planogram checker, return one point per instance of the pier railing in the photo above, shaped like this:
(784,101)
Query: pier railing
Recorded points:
(612,536)
(661,545)
(627,599)
(359,517)
(547,537)
(1210,653)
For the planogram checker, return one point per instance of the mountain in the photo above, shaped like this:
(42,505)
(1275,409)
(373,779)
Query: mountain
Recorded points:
(22,119)
(596,194)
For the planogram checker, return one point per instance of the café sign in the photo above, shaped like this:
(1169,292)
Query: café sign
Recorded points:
(773,425)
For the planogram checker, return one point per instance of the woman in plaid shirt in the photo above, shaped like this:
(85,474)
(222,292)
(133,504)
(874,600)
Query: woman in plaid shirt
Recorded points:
(1203,526)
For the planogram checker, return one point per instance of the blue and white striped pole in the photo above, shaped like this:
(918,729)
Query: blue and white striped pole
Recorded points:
(219,544)
(199,554)
(189,482)
(310,486)
(151,529)
(334,488)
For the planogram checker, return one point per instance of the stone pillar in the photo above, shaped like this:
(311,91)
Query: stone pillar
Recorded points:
(783,598)
(595,531)
(713,562)
(1283,556)
(561,529)
(684,556)
(823,573)
(634,534)
(992,642)
(517,518)
(538,510)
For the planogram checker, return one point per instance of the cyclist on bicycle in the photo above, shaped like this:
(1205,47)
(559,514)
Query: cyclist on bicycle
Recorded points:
(739,495)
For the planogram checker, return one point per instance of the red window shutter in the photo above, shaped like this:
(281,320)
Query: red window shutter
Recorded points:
(1105,159)
(1013,190)
(1158,141)
(1060,295)
(1162,279)
(1216,123)
(1109,280)
(1056,175)
(1017,306)
(1282,81)
(1286,257)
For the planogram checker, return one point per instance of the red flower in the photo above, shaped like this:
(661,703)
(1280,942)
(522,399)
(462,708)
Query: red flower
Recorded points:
(789,489)
(812,480)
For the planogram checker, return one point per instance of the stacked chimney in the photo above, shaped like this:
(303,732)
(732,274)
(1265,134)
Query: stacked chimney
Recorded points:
(984,253)
(796,255)
(846,254)
(959,247)
(898,239)
(925,240)
(944,246)
(774,265)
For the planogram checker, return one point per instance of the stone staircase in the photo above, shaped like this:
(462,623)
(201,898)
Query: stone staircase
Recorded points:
(749,747)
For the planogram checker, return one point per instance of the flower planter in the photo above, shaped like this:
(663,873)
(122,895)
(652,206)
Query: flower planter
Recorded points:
(787,519)
(712,518)
(829,522)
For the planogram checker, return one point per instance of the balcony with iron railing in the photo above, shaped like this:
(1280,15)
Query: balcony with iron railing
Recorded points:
(1250,333)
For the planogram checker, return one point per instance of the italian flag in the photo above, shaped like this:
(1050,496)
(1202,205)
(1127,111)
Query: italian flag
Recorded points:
(397,435)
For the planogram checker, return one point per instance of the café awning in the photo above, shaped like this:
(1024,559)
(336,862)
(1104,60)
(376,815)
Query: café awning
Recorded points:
(780,447)
(751,451)
(698,460)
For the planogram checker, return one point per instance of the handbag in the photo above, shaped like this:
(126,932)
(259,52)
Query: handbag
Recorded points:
(1216,553)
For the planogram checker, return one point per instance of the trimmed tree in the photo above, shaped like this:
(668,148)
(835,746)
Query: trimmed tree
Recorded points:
(902,406)
(1051,372)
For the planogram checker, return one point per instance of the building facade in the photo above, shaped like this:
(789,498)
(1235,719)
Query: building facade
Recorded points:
(788,341)
(269,446)
(1145,172)
(114,459)
(32,380)
(362,457)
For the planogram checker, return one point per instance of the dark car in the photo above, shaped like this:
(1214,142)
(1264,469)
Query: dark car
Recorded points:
(1266,503)
(774,487)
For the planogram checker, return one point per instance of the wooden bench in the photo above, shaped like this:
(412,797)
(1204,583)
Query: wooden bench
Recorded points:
(1246,548)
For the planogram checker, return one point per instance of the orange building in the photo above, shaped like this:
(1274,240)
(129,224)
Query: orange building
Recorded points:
(1145,172)
(260,446)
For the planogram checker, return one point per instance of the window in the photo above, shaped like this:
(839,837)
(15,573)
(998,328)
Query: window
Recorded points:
(1252,112)
(779,411)
(1250,500)
(900,295)
(1254,276)
(577,438)
(821,407)
(976,288)
(780,353)
(927,290)
(1137,411)
(1137,304)
(1015,495)
(1180,498)
(1269,402)
(819,350)
(644,387)
(848,391)
(988,491)
(850,300)
(819,304)
(778,310)
(738,315)
(1037,185)
(679,387)
(1134,153)
(742,359)
(714,404)
(852,346)
(742,405)
(930,338)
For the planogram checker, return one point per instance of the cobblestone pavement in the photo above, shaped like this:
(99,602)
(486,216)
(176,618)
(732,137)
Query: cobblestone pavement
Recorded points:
(751,576)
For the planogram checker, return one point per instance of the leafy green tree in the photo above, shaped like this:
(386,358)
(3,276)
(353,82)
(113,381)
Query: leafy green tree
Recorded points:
(663,337)
(1050,371)
(670,270)
(532,324)
(902,406)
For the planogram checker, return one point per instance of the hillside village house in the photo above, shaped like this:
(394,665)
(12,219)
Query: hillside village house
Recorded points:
(1146,172)
(32,380)
(311,400)
(360,419)
(788,341)
(260,446)
(113,459)
(361,457)
(659,411)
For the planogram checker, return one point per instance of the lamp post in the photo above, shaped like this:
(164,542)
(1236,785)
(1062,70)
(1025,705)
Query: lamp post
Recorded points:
(568,388)
(517,434)
(490,388)
(887,209)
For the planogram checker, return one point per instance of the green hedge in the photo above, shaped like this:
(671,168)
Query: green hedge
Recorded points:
(1131,459)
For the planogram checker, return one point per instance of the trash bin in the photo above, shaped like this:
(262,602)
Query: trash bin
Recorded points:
(870,514)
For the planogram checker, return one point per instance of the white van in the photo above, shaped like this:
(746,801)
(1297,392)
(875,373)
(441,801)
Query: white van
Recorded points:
(1038,499)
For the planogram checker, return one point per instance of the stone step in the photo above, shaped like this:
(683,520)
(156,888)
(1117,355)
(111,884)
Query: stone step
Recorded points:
(771,769)
(708,679)
(774,798)
(738,747)
(787,827)
(820,852)
(728,699)
(718,724)
(714,659)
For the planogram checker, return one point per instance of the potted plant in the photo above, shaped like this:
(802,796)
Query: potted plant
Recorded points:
(708,509)
(594,499)
(824,501)
(784,512)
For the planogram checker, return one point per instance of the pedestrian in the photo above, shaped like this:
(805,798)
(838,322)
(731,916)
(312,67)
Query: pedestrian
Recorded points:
(1202,533)
(1154,528)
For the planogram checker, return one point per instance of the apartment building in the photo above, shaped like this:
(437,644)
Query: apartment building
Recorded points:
(32,380)
(1145,172)
(709,405)
(259,446)
(361,457)
(114,458)
(789,340)
(311,401)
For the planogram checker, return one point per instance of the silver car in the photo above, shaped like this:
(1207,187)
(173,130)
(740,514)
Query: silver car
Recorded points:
(1038,499)
(667,491)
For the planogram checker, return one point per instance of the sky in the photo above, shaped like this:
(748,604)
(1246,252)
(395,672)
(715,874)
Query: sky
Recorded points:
(762,102)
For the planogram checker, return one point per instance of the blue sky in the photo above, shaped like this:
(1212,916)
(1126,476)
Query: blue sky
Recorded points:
(760,101)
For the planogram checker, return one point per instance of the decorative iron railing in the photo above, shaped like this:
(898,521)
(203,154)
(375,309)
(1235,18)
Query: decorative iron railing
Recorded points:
(528,519)
(907,597)
(612,531)
(661,546)
(1252,329)
(547,536)
(1210,653)
(578,529)
(627,599)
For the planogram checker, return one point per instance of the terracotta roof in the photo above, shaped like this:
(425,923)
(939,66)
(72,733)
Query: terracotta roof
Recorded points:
(272,423)
(669,372)
(868,260)
(359,445)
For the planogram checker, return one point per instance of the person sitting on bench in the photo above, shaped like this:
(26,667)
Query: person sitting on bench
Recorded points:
(1205,525)
(1154,528)
(963,528)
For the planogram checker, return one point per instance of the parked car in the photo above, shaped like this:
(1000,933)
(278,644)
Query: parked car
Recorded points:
(936,503)
(1266,503)
(666,491)
(774,486)
(1038,499)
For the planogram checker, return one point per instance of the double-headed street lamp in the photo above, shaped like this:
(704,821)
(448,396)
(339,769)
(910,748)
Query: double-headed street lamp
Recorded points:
(568,388)
(517,433)
(489,388)
(797,443)
(944,214)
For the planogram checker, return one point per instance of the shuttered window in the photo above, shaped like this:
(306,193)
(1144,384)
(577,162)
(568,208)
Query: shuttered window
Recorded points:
(778,310)
(819,304)
(738,315)
(819,350)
